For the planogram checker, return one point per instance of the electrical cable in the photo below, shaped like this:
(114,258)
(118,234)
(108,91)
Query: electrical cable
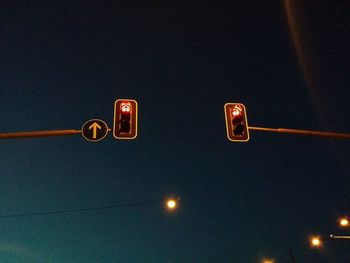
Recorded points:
(88,209)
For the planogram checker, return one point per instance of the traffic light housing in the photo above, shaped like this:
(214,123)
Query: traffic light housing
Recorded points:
(125,119)
(236,122)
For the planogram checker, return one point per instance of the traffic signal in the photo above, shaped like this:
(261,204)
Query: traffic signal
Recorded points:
(125,119)
(236,122)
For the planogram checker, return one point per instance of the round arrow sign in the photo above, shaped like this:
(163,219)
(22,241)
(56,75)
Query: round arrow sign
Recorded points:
(94,130)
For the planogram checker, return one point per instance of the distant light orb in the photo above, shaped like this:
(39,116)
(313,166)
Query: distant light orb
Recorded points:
(268,261)
(316,242)
(344,222)
(171,204)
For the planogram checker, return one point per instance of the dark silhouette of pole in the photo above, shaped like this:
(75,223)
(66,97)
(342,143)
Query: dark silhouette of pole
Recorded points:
(32,134)
(340,236)
(291,254)
(303,132)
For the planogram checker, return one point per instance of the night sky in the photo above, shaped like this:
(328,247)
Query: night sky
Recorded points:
(64,63)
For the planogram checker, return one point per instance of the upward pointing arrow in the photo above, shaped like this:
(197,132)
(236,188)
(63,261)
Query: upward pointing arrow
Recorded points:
(94,128)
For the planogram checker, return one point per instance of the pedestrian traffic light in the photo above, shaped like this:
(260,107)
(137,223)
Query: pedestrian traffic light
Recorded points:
(236,122)
(125,119)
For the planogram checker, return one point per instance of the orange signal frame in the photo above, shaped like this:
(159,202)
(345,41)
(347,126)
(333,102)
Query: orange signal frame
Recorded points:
(229,133)
(134,119)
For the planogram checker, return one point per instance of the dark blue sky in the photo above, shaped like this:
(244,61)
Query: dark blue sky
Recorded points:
(62,64)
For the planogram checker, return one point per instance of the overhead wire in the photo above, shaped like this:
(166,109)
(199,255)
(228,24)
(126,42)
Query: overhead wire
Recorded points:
(88,209)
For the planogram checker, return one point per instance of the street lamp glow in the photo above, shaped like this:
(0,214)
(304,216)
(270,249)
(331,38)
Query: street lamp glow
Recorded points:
(171,204)
(268,261)
(315,241)
(344,222)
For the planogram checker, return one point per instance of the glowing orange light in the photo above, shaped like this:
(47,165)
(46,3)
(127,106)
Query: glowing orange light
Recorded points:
(344,222)
(268,261)
(171,204)
(316,242)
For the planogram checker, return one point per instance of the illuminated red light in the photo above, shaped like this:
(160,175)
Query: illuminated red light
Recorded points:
(236,111)
(125,107)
